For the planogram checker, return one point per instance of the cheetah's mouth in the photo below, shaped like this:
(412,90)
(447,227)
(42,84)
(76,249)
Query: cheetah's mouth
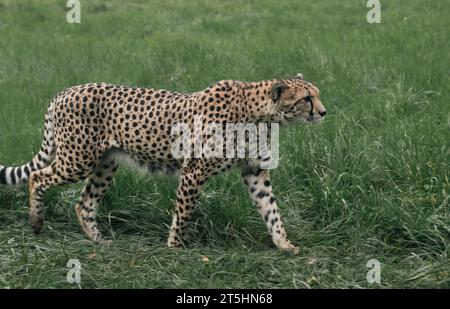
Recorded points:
(314,119)
(289,119)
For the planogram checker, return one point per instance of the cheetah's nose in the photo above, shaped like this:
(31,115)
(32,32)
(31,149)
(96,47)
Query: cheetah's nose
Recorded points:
(323,113)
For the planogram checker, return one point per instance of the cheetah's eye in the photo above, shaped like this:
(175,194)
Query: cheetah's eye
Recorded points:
(304,100)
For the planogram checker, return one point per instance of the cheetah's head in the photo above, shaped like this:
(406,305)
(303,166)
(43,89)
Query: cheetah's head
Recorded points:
(297,99)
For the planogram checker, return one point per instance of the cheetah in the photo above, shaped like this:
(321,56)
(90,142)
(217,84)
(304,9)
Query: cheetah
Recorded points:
(87,125)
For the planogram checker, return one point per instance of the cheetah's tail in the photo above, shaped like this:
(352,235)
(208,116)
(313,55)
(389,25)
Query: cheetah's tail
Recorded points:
(20,175)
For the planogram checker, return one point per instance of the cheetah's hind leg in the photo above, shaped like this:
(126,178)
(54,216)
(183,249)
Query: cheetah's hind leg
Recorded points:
(40,181)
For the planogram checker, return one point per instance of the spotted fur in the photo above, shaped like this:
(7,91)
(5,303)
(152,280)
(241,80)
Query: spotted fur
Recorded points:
(86,126)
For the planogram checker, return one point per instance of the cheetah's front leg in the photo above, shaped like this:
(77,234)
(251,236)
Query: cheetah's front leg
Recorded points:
(187,193)
(260,189)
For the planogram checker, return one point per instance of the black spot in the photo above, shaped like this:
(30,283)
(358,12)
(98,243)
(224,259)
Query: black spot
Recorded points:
(267,183)
(3,176)
(262,194)
(13,176)
(26,170)
(257,172)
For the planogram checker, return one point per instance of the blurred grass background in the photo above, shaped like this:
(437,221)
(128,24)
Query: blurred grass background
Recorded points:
(370,182)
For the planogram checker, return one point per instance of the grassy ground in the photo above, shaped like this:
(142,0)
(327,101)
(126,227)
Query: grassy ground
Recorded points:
(371,182)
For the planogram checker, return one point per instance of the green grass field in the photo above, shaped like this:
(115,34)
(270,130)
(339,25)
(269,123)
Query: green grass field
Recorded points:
(370,182)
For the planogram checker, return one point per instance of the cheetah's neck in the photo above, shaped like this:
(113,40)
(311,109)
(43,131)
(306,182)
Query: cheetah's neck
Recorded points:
(257,104)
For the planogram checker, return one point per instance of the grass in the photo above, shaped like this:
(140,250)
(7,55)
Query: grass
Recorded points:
(371,182)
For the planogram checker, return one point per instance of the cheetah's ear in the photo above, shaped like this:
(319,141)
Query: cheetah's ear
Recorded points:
(278,88)
(299,76)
